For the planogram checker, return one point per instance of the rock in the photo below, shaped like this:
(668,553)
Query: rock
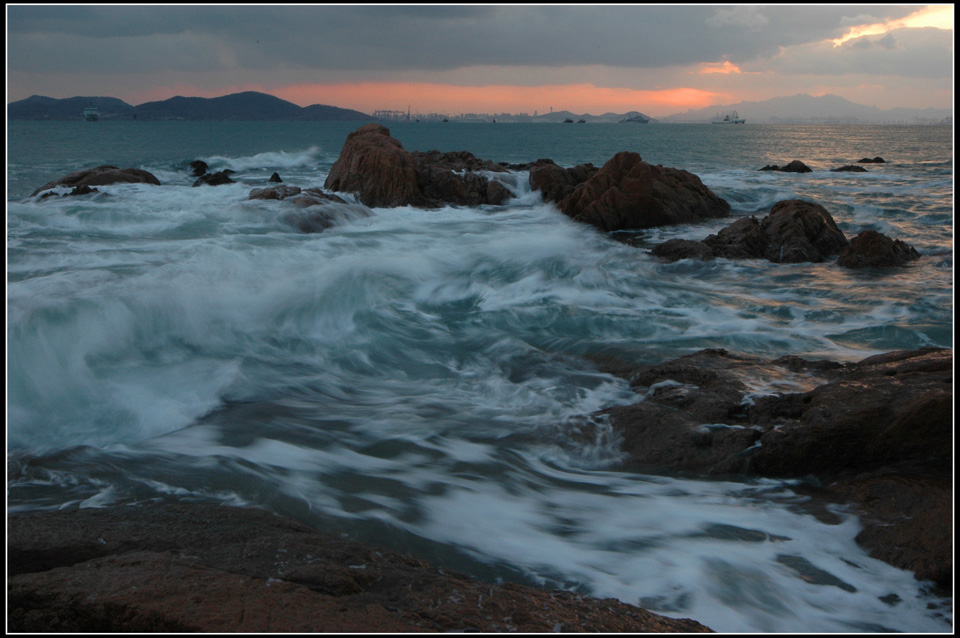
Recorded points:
(199,167)
(849,169)
(677,249)
(627,193)
(796,166)
(877,433)
(794,231)
(102,176)
(381,173)
(555,182)
(274,192)
(871,249)
(215,179)
(275,178)
(207,568)
(875,160)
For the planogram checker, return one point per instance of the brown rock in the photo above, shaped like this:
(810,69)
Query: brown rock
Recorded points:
(794,231)
(207,568)
(849,169)
(555,182)
(871,249)
(677,249)
(875,160)
(102,176)
(627,193)
(796,166)
(382,173)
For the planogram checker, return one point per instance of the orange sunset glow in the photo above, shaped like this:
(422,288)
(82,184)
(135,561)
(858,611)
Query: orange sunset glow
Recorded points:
(451,99)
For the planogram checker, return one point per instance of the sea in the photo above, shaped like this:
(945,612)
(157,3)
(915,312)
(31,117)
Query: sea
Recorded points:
(421,379)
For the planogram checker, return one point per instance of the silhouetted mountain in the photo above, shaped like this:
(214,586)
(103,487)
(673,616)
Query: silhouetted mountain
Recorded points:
(38,107)
(248,106)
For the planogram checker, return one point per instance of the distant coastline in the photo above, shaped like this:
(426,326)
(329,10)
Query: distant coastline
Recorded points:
(254,106)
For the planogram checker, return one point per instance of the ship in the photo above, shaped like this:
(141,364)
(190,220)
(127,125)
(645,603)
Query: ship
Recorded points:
(635,118)
(91,114)
(729,118)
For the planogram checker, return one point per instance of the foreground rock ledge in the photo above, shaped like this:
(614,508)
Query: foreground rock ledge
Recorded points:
(209,568)
(877,434)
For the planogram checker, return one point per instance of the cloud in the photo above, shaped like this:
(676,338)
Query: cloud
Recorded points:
(745,16)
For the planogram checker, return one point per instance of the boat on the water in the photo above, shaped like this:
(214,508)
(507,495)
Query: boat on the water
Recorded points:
(635,118)
(568,121)
(729,118)
(91,114)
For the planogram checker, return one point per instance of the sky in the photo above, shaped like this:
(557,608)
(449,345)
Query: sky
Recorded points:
(657,59)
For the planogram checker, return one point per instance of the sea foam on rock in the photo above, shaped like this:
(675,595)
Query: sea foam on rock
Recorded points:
(102,176)
(877,433)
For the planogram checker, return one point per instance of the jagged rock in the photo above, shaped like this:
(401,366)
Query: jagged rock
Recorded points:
(375,166)
(207,568)
(215,179)
(796,166)
(199,167)
(794,231)
(555,182)
(871,249)
(878,432)
(102,176)
(275,178)
(849,169)
(628,193)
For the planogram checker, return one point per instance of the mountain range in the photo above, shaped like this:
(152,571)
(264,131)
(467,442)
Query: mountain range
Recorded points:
(254,106)
(247,106)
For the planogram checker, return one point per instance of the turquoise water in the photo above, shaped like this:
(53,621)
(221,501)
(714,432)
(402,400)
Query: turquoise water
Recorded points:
(414,378)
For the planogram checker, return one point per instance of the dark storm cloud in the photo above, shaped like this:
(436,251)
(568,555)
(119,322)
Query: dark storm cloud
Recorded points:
(135,38)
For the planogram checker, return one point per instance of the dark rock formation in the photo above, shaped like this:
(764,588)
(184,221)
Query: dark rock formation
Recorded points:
(275,178)
(850,168)
(796,166)
(324,209)
(875,160)
(794,231)
(102,176)
(871,249)
(215,179)
(79,190)
(555,182)
(199,167)
(381,173)
(878,433)
(677,249)
(205,568)
(627,193)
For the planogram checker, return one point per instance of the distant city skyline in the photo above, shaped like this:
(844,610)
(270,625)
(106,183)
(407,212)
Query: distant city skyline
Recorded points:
(660,60)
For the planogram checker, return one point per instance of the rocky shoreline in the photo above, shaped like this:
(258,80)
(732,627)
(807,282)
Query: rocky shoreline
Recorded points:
(875,435)
(208,568)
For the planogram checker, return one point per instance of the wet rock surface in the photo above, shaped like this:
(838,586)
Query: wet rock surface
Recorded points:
(381,173)
(877,433)
(209,568)
(101,176)
(872,249)
(796,166)
(628,193)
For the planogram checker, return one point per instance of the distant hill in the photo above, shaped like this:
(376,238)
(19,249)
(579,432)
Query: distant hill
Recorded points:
(806,109)
(38,107)
(247,106)
(560,116)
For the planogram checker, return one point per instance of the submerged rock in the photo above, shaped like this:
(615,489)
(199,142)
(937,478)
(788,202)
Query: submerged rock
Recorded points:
(381,173)
(102,176)
(875,160)
(628,193)
(208,568)
(871,249)
(849,169)
(199,167)
(275,178)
